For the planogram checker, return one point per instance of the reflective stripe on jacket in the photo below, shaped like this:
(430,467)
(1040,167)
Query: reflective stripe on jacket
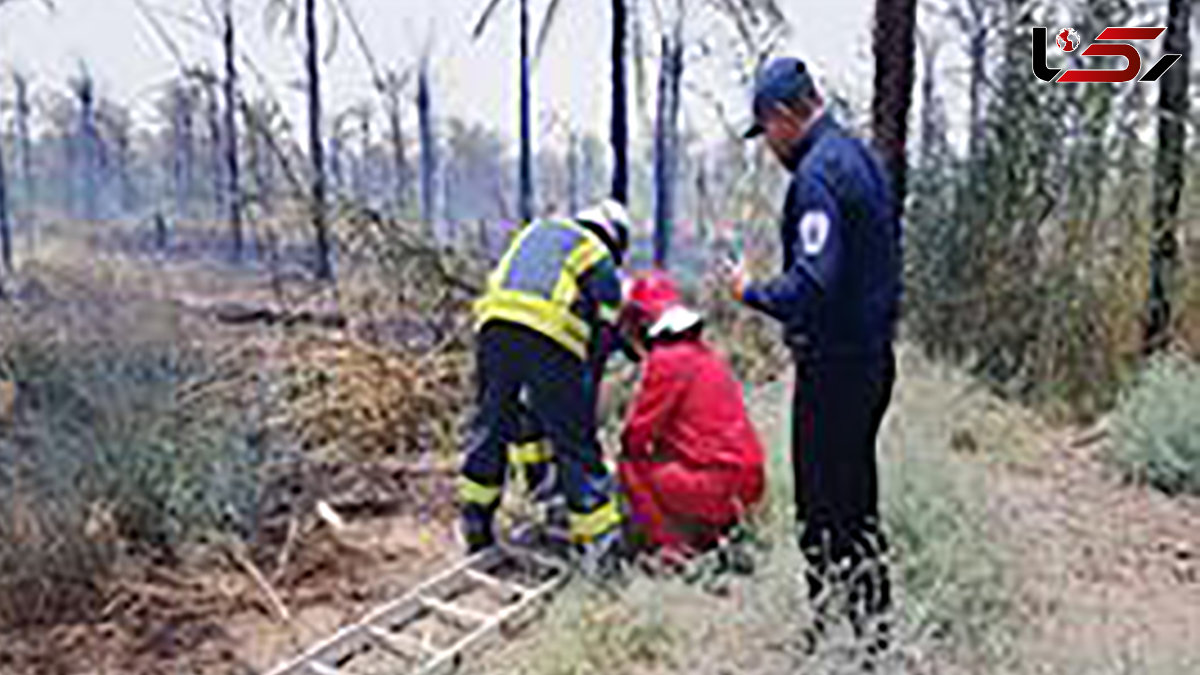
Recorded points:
(558,279)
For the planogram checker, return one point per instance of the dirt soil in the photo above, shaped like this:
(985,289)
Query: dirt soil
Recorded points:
(1111,571)
(220,621)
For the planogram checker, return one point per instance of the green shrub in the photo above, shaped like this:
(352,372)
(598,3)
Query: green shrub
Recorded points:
(1156,431)
(112,452)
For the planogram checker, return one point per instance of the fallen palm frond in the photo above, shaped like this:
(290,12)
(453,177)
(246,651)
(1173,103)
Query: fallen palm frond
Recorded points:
(348,398)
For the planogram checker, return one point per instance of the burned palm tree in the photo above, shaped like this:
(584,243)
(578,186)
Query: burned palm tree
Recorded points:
(429,158)
(5,226)
(389,85)
(290,10)
(23,111)
(619,120)
(525,186)
(894,45)
(666,139)
(87,144)
(233,189)
(1169,176)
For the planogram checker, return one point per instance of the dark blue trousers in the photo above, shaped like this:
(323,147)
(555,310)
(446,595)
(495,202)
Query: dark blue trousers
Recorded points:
(838,408)
(562,403)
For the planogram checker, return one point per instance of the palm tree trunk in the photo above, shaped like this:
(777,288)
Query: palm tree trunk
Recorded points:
(666,159)
(525,174)
(1169,176)
(89,144)
(324,263)
(216,152)
(5,227)
(619,132)
(894,42)
(399,161)
(362,176)
(182,150)
(28,181)
(232,168)
(429,158)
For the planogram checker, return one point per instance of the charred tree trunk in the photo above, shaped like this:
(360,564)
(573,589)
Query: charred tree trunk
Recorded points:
(429,159)
(216,153)
(619,131)
(5,225)
(337,177)
(182,151)
(525,174)
(666,159)
(324,262)
(25,147)
(894,42)
(233,188)
(399,161)
(1169,177)
(362,176)
(89,142)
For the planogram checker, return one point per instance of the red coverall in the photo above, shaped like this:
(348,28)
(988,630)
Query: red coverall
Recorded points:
(692,463)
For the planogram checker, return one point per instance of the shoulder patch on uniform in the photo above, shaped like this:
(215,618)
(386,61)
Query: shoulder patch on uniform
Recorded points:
(814,230)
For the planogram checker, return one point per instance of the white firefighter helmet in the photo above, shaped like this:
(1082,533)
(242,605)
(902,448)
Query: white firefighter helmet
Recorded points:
(675,321)
(610,220)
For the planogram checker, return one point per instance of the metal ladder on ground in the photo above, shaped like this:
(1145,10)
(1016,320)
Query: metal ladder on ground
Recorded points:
(435,625)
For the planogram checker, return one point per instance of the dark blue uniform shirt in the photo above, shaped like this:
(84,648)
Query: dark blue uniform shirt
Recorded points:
(839,294)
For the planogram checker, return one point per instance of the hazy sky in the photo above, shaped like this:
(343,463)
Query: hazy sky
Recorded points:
(474,80)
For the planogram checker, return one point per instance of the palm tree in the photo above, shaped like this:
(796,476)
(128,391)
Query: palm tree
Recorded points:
(24,143)
(894,44)
(619,132)
(1169,176)
(5,229)
(525,163)
(666,137)
(429,159)
(389,85)
(233,191)
(289,10)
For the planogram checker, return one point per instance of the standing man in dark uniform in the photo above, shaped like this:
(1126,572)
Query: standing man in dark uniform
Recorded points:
(838,299)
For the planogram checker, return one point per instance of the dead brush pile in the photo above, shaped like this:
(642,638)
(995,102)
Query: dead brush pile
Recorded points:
(397,381)
(343,397)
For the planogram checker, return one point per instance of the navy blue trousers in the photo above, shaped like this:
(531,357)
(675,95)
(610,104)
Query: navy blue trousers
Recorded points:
(562,404)
(838,408)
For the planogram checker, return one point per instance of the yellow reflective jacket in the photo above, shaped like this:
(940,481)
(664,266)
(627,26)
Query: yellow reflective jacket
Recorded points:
(558,279)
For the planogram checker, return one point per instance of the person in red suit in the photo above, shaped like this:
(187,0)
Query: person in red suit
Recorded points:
(691,464)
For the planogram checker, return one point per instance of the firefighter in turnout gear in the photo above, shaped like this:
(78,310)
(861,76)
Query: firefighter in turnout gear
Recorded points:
(547,316)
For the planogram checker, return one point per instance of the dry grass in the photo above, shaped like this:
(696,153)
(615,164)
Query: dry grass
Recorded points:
(954,588)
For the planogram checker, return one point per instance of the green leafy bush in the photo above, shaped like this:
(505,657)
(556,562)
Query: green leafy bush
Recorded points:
(1156,431)
(114,450)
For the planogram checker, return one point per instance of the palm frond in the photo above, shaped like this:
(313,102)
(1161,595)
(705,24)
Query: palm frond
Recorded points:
(544,32)
(335,36)
(484,18)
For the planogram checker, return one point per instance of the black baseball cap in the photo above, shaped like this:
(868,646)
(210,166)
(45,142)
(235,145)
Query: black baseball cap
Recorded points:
(783,80)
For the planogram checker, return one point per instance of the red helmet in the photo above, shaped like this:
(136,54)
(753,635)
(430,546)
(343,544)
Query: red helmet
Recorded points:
(648,296)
